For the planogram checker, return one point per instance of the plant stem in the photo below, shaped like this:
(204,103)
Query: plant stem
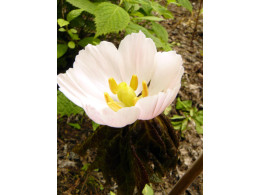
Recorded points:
(195,28)
(188,177)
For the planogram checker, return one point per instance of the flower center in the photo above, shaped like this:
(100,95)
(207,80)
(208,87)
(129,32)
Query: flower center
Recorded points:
(125,93)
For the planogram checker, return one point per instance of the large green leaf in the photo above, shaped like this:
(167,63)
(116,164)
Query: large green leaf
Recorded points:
(61,49)
(186,4)
(66,107)
(110,18)
(84,4)
(74,14)
(160,31)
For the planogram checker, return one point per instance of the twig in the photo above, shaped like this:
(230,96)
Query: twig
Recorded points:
(195,28)
(188,177)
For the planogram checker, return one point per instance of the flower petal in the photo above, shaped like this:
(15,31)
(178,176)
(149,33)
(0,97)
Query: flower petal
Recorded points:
(107,116)
(168,72)
(75,93)
(138,54)
(152,106)
(70,90)
(99,63)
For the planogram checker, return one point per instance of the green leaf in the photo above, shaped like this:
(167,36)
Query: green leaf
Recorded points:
(62,29)
(160,31)
(84,4)
(95,125)
(183,105)
(150,18)
(167,110)
(186,4)
(73,36)
(74,14)
(142,2)
(184,124)
(61,49)
(199,117)
(176,127)
(147,190)
(85,167)
(162,10)
(62,22)
(138,14)
(199,128)
(110,18)
(71,45)
(177,117)
(175,123)
(112,193)
(72,30)
(75,125)
(66,107)
(172,1)
(89,40)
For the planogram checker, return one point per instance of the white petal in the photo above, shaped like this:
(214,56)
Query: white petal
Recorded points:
(78,96)
(99,63)
(152,106)
(138,53)
(106,116)
(70,90)
(168,72)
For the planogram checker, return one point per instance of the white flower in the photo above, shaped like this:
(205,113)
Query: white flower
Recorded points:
(99,81)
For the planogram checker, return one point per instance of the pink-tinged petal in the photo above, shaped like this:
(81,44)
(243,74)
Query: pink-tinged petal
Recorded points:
(98,64)
(106,116)
(153,106)
(168,72)
(138,54)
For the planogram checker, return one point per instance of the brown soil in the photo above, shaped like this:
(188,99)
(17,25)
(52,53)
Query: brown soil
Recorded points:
(73,180)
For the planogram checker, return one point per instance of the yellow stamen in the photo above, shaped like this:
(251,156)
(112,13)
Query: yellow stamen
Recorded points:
(136,99)
(108,98)
(134,82)
(125,93)
(111,103)
(114,106)
(145,89)
(113,85)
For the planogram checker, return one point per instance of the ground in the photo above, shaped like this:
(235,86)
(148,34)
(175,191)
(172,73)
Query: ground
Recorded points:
(72,178)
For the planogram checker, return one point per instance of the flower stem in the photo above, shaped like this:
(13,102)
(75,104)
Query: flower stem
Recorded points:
(188,177)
